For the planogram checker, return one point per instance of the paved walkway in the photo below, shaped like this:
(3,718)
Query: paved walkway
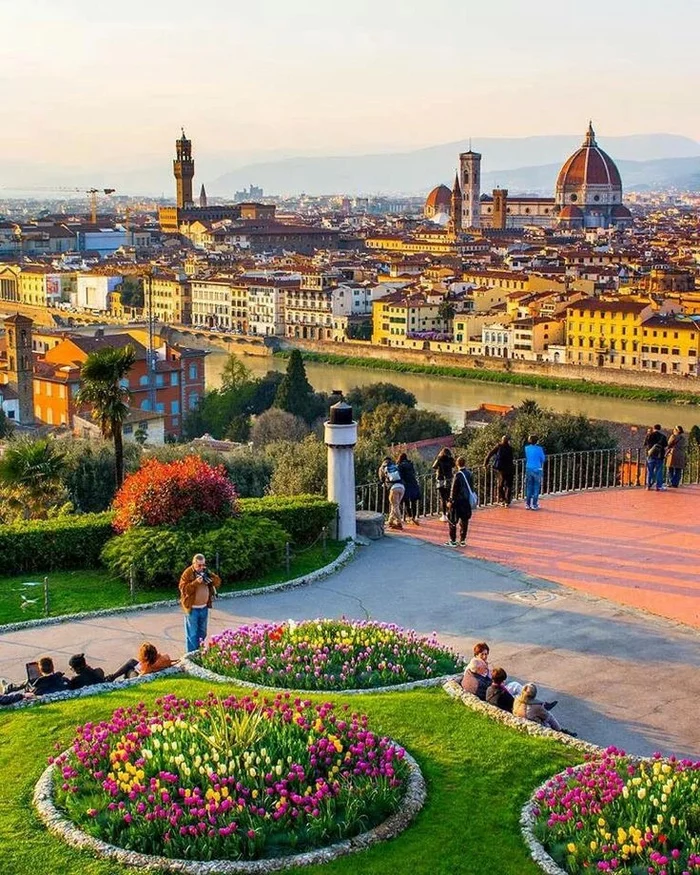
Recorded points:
(636,547)
(621,677)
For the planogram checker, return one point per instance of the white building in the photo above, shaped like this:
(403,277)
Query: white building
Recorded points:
(94,290)
(212,303)
(498,340)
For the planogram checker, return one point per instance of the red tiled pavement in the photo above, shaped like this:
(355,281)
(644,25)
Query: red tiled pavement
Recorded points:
(632,546)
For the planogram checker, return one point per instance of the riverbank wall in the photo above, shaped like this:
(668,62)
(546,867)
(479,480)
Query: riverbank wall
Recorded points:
(418,358)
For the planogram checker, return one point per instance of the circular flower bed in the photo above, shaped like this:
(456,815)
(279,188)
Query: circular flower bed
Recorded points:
(328,655)
(233,779)
(617,815)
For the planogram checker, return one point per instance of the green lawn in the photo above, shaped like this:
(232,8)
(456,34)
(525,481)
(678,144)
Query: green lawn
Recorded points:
(89,590)
(479,774)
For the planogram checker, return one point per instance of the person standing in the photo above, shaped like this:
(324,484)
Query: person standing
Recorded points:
(460,504)
(198,588)
(501,457)
(655,444)
(390,476)
(411,495)
(444,466)
(676,455)
(534,468)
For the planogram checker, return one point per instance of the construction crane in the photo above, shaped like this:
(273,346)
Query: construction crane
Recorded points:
(93,192)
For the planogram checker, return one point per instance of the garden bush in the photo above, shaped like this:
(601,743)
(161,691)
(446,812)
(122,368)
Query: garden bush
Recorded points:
(247,548)
(61,542)
(302,516)
(164,493)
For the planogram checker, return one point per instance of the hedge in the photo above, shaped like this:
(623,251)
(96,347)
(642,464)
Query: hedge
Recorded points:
(303,516)
(49,545)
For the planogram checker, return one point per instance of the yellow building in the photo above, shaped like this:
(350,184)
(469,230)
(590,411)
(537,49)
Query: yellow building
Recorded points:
(399,319)
(171,298)
(671,344)
(606,334)
(42,286)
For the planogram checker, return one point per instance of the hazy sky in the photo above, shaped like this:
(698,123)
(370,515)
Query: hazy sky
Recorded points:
(89,83)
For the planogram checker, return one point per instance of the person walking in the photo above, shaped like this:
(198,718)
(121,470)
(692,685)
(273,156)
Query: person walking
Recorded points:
(460,504)
(411,495)
(676,455)
(655,444)
(390,476)
(534,468)
(198,588)
(501,458)
(444,466)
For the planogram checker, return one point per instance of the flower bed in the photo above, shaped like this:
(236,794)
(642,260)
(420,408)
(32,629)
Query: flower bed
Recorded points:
(231,779)
(328,655)
(614,814)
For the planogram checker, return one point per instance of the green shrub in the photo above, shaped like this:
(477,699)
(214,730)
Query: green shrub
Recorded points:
(246,547)
(303,516)
(61,542)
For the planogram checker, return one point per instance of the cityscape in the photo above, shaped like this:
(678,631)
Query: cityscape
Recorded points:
(349,438)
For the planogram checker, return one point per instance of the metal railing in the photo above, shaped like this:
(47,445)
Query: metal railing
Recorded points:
(563,472)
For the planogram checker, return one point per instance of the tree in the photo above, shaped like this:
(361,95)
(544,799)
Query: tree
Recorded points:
(89,474)
(446,310)
(396,424)
(234,374)
(31,472)
(102,377)
(6,427)
(365,399)
(278,425)
(300,467)
(132,292)
(295,393)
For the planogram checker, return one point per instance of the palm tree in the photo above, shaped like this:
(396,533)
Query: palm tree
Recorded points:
(101,378)
(32,471)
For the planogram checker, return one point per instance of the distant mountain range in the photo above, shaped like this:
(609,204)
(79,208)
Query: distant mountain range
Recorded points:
(522,164)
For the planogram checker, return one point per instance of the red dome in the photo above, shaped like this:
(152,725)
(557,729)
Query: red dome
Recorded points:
(439,200)
(589,165)
(571,212)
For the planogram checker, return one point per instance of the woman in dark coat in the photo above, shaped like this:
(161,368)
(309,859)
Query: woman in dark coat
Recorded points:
(501,457)
(444,466)
(460,503)
(676,456)
(411,496)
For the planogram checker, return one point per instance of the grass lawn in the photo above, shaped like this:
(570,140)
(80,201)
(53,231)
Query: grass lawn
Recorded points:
(479,774)
(89,590)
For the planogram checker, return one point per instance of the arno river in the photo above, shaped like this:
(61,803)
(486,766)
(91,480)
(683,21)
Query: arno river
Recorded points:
(451,396)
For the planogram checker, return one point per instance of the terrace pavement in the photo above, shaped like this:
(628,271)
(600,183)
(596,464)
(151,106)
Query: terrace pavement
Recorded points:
(622,676)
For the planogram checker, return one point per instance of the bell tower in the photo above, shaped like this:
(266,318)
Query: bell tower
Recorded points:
(20,364)
(183,168)
(470,179)
(500,208)
(456,207)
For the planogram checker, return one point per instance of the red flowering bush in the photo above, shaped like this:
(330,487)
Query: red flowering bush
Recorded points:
(163,493)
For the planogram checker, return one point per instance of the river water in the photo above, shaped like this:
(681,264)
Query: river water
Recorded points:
(451,396)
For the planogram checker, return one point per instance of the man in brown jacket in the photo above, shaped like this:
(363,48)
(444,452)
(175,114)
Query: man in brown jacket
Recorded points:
(198,587)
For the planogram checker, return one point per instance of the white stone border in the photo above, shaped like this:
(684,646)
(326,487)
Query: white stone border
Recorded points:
(198,671)
(92,690)
(346,555)
(58,824)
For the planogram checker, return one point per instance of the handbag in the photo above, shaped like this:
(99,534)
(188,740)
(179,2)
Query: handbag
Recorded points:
(473,497)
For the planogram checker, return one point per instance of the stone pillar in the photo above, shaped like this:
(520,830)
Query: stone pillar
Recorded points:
(340,436)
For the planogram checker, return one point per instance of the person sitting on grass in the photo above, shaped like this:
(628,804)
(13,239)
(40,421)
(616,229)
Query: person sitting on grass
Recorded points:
(49,681)
(150,661)
(498,694)
(477,677)
(83,674)
(527,707)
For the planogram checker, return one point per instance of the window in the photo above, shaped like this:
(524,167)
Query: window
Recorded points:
(193,372)
(193,400)
(160,407)
(175,406)
(675,351)
(143,380)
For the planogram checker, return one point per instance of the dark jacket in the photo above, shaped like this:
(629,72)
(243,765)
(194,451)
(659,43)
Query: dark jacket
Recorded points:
(50,683)
(476,684)
(86,678)
(655,444)
(408,476)
(676,452)
(499,696)
(459,493)
(502,455)
(444,467)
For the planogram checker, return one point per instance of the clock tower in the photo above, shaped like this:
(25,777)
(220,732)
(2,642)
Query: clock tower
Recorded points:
(183,168)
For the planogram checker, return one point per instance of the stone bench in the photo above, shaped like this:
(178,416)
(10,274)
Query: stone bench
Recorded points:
(370,524)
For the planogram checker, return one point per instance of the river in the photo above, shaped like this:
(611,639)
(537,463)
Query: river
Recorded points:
(451,396)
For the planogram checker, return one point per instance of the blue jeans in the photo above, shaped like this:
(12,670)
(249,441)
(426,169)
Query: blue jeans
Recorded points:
(655,473)
(533,485)
(196,627)
(675,476)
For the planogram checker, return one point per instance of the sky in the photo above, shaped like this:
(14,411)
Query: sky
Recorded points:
(110,84)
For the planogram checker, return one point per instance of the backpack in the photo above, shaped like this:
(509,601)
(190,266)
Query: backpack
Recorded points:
(392,473)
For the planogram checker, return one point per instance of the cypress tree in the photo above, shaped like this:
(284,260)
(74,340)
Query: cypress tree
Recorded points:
(295,394)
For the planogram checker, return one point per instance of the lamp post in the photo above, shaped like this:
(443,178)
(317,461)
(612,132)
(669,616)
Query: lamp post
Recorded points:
(340,436)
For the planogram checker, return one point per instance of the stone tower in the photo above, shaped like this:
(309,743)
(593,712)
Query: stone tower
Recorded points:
(500,208)
(203,197)
(20,364)
(470,180)
(456,207)
(183,168)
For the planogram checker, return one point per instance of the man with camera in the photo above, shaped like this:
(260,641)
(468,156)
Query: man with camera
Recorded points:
(198,588)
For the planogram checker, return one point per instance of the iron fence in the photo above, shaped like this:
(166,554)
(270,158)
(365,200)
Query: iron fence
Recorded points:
(563,472)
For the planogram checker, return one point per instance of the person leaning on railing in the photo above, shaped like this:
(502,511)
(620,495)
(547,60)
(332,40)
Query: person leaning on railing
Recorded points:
(444,466)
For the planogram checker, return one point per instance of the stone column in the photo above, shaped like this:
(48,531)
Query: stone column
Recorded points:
(340,437)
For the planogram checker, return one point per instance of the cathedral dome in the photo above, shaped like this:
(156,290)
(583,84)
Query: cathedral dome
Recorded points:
(589,165)
(438,201)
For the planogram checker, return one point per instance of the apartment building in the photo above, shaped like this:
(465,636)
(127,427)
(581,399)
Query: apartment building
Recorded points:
(671,344)
(212,303)
(266,304)
(606,333)
(171,298)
